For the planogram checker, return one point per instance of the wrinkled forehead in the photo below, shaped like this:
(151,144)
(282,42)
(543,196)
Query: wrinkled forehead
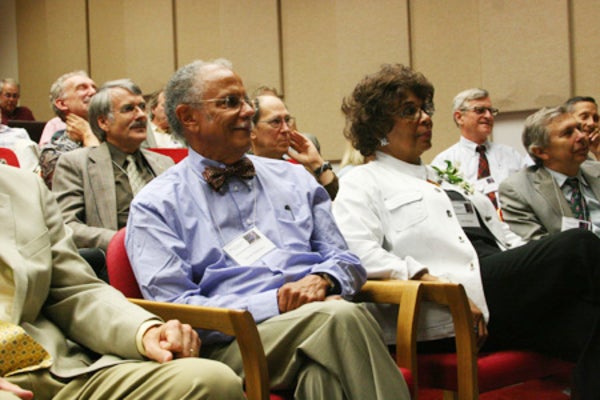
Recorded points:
(77,81)
(9,88)
(483,101)
(272,106)
(585,106)
(562,123)
(220,81)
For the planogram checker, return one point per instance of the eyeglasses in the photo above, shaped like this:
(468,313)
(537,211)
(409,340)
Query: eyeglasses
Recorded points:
(129,108)
(277,123)
(11,95)
(482,110)
(230,102)
(413,112)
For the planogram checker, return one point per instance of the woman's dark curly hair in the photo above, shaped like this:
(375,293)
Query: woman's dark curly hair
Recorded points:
(371,107)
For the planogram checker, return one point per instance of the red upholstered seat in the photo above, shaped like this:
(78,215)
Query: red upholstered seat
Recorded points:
(495,370)
(176,154)
(7,156)
(120,274)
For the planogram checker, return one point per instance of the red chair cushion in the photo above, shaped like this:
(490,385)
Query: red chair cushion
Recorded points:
(495,370)
(7,156)
(176,154)
(119,270)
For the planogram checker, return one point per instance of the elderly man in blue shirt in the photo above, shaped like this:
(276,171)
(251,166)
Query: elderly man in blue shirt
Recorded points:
(226,229)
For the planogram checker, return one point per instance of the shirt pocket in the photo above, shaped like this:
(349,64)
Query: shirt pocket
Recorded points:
(405,210)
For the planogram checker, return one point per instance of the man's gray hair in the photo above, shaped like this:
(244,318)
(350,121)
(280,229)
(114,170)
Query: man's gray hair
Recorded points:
(535,132)
(57,90)
(101,103)
(9,81)
(467,95)
(187,86)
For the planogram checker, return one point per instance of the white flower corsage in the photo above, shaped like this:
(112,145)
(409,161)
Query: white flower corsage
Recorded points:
(452,175)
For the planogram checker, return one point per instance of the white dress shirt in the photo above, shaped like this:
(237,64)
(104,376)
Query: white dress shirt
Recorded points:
(503,160)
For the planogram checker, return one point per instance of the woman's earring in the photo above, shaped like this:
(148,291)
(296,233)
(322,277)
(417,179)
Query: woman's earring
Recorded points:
(383,142)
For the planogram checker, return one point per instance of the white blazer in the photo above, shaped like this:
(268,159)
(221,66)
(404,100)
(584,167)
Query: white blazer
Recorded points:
(399,223)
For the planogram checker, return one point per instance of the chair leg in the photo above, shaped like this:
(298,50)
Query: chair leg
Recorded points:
(449,395)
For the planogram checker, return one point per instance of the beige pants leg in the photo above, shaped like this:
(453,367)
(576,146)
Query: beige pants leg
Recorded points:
(325,350)
(187,378)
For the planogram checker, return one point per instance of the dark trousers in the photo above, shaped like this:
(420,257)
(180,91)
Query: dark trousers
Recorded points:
(545,296)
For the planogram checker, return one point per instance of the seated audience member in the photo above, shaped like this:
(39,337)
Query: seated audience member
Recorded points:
(159,124)
(585,111)
(17,139)
(233,230)
(405,222)
(273,137)
(94,185)
(52,126)
(89,341)
(10,92)
(562,190)
(70,96)
(482,163)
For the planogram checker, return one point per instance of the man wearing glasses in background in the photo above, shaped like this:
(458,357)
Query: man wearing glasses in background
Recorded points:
(482,163)
(273,136)
(95,185)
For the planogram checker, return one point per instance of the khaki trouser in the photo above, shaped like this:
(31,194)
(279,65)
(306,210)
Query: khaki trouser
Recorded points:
(325,350)
(187,378)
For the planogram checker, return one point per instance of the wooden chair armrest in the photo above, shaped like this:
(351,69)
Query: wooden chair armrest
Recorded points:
(407,294)
(230,322)
(454,296)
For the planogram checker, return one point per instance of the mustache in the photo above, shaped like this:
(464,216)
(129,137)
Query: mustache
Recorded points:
(138,124)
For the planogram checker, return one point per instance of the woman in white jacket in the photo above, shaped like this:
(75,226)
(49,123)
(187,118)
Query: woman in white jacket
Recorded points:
(406,221)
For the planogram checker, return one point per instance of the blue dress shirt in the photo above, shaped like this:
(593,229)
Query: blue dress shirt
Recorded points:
(178,226)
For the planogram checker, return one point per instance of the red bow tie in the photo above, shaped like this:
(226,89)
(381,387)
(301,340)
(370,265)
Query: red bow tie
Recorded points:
(216,176)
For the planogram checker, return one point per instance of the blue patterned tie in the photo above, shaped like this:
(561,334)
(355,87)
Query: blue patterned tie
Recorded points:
(577,202)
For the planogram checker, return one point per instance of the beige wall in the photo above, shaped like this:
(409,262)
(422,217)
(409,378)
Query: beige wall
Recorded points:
(527,53)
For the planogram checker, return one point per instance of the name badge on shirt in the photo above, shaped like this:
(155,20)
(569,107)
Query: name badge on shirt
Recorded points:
(486,185)
(465,212)
(574,223)
(249,247)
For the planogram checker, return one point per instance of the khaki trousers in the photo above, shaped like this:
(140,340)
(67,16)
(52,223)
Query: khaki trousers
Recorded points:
(186,378)
(325,350)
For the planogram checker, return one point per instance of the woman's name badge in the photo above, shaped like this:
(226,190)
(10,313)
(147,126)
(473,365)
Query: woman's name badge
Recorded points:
(574,223)
(465,212)
(249,247)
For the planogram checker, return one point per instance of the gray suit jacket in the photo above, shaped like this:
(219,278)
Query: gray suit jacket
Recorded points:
(85,189)
(58,300)
(533,204)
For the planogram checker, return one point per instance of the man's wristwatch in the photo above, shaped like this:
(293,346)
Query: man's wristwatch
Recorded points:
(319,171)
(333,285)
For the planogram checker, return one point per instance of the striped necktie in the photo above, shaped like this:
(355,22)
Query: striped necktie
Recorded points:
(19,352)
(136,181)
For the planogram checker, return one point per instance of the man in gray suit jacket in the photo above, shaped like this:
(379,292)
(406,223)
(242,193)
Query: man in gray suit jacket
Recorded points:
(101,345)
(562,190)
(94,185)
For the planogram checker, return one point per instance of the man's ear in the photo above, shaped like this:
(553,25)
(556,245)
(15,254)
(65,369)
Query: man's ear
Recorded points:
(186,115)
(540,153)
(457,117)
(103,122)
(60,104)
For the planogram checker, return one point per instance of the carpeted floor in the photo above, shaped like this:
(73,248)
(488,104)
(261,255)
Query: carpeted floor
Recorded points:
(546,389)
